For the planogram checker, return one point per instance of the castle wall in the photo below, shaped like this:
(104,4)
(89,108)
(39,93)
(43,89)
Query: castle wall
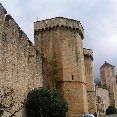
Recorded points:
(59,40)
(88,59)
(20,62)
(103,100)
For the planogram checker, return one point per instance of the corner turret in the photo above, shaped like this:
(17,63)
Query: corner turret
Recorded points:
(88,52)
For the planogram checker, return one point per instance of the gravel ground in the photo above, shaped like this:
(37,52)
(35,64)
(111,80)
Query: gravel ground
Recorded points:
(115,115)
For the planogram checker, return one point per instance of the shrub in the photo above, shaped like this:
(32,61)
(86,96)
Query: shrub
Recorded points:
(111,110)
(43,102)
(1,112)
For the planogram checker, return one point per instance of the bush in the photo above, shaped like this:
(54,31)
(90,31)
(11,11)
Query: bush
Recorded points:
(1,112)
(43,102)
(111,110)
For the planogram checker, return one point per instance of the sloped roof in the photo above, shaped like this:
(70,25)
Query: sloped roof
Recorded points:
(106,64)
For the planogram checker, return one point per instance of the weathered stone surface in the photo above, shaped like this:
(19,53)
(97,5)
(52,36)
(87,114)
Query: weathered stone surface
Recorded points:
(108,79)
(56,60)
(62,49)
(20,62)
(103,100)
(88,59)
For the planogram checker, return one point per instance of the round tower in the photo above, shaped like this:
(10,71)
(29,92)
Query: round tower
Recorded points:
(60,42)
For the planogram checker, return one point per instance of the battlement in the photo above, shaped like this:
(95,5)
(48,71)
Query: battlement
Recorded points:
(59,22)
(11,26)
(11,21)
(88,52)
(2,9)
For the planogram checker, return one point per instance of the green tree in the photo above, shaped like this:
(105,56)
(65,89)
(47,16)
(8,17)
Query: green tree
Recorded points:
(1,111)
(43,102)
(111,110)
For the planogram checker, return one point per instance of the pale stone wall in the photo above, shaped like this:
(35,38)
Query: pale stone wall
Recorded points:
(20,62)
(88,59)
(103,100)
(59,40)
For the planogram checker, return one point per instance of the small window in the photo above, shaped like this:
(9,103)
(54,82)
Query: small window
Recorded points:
(72,77)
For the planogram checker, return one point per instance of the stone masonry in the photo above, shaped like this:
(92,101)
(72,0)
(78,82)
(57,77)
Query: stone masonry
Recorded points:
(108,81)
(91,92)
(102,101)
(57,60)
(20,62)
(106,92)
(59,40)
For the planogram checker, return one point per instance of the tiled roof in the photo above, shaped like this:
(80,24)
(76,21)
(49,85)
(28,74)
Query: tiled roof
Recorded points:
(106,65)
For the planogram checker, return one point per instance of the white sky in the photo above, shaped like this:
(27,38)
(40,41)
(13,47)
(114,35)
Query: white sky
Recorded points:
(98,17)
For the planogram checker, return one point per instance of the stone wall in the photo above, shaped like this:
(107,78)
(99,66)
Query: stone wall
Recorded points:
(20,62)
(103,100)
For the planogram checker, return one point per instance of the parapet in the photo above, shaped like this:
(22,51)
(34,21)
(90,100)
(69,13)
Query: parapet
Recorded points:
(88,52)
(3,9)
(15,26)
(9,18)
(58,21)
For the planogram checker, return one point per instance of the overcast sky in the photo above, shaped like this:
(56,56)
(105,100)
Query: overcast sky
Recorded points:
(98,17)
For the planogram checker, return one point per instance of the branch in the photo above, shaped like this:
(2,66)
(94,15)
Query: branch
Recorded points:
(13,114)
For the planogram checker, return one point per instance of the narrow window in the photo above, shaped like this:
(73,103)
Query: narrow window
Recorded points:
(72,77)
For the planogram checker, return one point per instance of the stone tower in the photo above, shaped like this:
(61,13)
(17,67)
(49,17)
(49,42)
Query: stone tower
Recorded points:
(88,59)
(108,81)
(60,42)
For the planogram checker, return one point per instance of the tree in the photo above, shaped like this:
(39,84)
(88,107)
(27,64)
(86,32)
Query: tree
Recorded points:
(111,110)
(43,102)
(1,111)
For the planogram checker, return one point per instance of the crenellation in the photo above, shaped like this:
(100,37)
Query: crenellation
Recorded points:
(8,17)
(30,43)
(23,34)
(59,21)
(2,9)
(12,23)
(88,52)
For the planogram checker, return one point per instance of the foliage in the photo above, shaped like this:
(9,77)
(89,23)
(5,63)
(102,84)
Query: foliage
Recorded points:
(1,111)
(43,102)
(111,110)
